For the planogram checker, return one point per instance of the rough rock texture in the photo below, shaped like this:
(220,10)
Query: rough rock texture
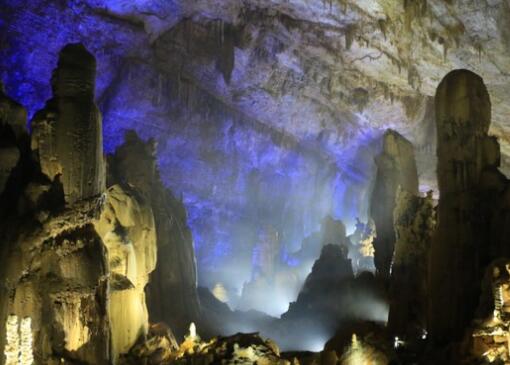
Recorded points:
(331,295)
(488,337)
(172,291)
(459,252)
(296,81)
(332,231)
(74,272)
(80,277)
(127,230)
(67,135)
(56,275)
(330,269)
(414,220)
(159,346)
(238,349)
(395,167)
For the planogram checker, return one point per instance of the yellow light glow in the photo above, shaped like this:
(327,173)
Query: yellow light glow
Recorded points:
(18,350)
(220,292)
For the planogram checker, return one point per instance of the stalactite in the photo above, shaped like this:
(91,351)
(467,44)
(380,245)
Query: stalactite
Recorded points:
(479,49)
(414,9)
(382,27)
(350,32)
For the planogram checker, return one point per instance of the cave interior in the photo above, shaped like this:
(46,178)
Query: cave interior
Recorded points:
(254,182)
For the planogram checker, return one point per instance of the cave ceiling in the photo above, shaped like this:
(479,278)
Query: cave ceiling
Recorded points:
(248,100)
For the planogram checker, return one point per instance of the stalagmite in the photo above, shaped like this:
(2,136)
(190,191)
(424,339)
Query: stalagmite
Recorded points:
(74,276)
(172,291)
(126,226)
(67,133)
(395,167)
(463,114)
(414,219)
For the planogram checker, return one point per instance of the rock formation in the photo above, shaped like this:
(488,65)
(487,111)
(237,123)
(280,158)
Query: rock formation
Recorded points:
(236,349)
(172,291)
(127,230)
(12,136)
(67,133)
(80,276)
(74,274)
(490,331)
(414,220)
(361,250)
(395,167)
(326,291)
(461,244)
(332,232)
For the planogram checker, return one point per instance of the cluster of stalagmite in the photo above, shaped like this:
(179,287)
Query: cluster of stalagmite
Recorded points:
(76,257)
(86,268)
(77,272)
(396,167)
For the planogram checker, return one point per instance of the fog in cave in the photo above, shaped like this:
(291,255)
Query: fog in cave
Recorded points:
(254,182)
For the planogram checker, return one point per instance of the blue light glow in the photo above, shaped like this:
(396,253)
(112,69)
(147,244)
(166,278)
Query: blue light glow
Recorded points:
(235,177)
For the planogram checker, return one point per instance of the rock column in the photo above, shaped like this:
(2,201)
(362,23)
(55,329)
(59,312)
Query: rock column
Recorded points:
(463,113)
(67,134)
(172,291)
(415,222)
(395,167)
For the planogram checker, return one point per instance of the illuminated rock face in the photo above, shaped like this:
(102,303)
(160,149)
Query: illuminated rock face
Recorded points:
(74,271)
(67,134)
(56,275)
(81,278)
(172,291)
(489,336)
(126,227)
(395,167)
(461,245)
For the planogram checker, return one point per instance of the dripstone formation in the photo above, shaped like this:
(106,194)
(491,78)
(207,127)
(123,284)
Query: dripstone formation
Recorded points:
(172,291)
(76,257)
(67,133)
(461,245)
(395,167)
(414,221)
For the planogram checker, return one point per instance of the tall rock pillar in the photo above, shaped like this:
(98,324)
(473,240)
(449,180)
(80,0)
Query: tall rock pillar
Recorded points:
(414,219)
(463,114)
(67,133)
(395,167)
(172,291)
